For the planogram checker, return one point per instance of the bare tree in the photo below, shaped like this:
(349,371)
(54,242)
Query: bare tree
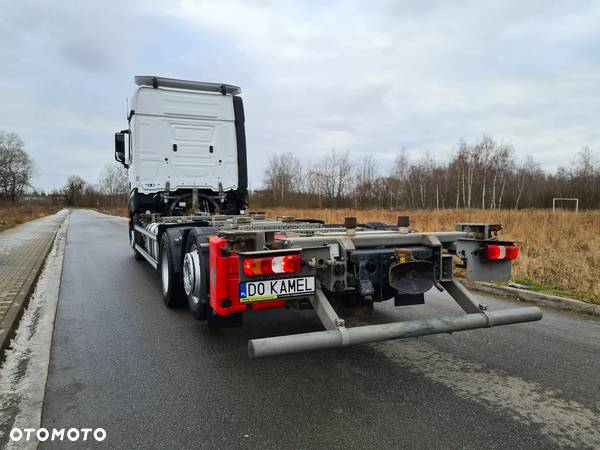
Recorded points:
(16,167)
(585,170)
(282,176)
(525,175)
(113,182)
(366,178)
(73,190)
(333,176)
(399,176)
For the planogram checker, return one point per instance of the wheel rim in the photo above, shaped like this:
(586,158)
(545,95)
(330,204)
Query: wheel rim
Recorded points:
(192,275)
(164,269)
(132,238)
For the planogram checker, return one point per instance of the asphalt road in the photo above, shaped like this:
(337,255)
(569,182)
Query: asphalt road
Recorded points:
(155,378)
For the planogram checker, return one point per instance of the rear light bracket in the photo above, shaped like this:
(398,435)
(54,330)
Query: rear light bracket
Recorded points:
(478,268)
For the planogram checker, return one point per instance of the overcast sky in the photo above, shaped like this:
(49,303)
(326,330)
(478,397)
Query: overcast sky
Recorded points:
(368,77)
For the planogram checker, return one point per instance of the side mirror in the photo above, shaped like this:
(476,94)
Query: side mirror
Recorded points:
(120,151)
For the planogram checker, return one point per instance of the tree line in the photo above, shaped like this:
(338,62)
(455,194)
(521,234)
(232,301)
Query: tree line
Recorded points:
(17,169)
(111,190)
(483,174)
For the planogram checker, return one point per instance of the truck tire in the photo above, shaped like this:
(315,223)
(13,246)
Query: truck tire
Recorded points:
(172,286)
(196,281)
(195,272)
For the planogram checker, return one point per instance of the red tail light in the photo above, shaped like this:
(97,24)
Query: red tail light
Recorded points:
(512,252)
(495,252)
(272,265)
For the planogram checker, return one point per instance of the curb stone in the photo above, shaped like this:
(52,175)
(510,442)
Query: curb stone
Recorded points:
(10,321)
(553,301)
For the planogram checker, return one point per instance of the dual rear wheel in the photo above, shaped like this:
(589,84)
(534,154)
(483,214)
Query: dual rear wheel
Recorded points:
(195,274)
(192,283)
(172,289)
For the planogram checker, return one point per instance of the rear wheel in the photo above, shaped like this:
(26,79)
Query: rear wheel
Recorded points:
(195,274)
(196,281)
(172,287)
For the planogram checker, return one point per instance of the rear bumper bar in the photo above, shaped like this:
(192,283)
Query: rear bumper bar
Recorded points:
(341,337)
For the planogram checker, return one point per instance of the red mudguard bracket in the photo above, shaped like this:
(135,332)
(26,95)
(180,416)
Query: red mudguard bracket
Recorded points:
(225,281)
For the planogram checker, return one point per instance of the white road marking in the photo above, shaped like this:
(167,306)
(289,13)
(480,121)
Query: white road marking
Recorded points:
(25,370)
(566,422)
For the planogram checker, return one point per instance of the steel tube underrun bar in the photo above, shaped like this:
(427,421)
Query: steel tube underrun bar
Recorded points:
(320,340)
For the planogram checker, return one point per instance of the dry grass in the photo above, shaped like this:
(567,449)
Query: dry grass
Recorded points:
(11,215)
(560,251)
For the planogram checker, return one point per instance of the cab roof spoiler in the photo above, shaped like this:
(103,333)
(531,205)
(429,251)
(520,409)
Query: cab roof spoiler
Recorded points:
(156,82)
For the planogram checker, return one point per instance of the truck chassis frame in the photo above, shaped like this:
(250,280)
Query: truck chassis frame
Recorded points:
(327,250)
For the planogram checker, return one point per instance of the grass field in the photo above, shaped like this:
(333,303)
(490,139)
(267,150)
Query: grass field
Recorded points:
(560,253)
(15,214)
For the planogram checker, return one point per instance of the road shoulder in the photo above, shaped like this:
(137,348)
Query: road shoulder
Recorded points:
(24,372)
(23,250)
(538,298)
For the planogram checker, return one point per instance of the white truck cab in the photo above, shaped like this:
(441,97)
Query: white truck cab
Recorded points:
(184,136)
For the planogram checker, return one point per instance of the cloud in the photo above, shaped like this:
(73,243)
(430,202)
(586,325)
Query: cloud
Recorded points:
(314,75)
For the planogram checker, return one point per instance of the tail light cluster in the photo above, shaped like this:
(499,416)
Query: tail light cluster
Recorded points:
(495,252)
(272,265)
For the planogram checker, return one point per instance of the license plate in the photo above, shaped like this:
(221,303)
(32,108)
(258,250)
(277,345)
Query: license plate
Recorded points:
(255,291)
